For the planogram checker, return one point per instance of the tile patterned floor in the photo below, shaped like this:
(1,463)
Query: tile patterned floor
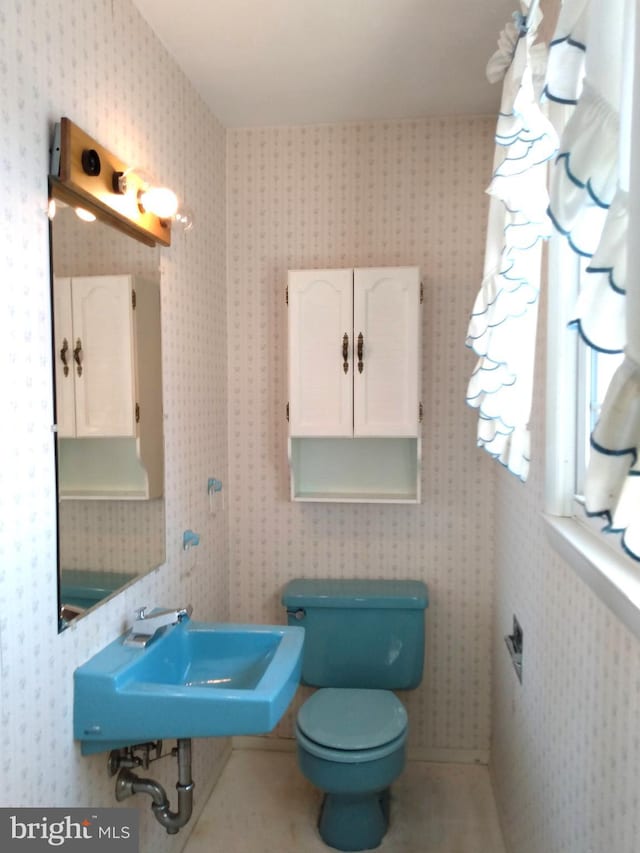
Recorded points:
(262,804)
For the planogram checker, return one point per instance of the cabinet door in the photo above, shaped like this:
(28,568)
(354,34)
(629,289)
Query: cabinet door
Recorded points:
(63,357)
(387,334)
(320,370)
(103,329)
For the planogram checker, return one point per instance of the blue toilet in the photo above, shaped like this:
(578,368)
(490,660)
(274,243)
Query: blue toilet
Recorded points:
(363,639)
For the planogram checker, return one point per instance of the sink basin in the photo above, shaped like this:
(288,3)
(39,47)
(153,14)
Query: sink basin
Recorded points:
(193,679)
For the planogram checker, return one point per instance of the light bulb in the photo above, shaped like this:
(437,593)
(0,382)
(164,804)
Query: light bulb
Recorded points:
(85,215)
(161,201)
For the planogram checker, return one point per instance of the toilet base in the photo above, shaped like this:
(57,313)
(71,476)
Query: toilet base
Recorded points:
(354,821)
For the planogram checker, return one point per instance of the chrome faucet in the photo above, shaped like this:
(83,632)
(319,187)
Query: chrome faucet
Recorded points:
(144,627)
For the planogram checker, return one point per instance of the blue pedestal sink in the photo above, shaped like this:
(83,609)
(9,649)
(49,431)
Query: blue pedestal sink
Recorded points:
(193,679)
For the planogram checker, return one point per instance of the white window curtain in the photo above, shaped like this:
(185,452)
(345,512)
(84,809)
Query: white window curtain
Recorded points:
(502,327)
(593,199)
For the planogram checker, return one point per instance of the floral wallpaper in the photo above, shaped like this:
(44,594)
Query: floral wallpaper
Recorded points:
(98,63)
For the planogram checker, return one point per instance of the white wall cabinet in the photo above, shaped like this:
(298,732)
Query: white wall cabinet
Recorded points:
(108,387)
(354,384)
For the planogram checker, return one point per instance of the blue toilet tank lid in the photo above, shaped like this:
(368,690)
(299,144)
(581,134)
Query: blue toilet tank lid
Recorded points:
(310,592)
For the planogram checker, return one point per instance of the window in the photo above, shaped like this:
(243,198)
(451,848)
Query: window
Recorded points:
(594,371)
(590,83)
(577,378)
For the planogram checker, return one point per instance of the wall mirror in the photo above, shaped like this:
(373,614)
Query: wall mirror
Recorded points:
(108,407)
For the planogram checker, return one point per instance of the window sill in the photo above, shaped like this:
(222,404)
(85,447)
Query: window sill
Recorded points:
(614,578)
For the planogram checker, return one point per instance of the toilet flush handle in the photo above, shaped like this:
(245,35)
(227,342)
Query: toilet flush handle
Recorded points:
(298,614)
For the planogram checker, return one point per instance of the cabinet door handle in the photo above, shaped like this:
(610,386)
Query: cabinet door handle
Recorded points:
(63,356)
(77,357)
(345,353)
(360,353)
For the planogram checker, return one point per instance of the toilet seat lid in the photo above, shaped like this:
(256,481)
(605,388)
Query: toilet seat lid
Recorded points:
(351,719)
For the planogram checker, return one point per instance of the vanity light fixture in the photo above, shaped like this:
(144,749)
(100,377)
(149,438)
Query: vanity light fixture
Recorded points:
(85,174)
(159,200)
(153,198)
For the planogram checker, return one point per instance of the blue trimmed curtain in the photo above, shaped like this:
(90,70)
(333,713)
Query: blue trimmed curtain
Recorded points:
(502,327)
(591,67)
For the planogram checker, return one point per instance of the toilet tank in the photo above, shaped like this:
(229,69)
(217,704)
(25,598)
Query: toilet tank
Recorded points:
(359,633)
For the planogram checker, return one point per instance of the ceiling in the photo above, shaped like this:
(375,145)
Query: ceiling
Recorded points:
(281,62)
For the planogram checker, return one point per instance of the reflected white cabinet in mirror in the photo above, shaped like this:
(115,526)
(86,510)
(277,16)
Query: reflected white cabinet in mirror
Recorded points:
(111,515)
(95,368)
(108,387)
(354,384)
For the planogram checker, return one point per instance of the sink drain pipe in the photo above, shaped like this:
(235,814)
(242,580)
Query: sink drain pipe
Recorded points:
(128,784)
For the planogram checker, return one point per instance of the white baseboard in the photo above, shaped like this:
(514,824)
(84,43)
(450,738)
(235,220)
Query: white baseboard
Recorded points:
(439,756)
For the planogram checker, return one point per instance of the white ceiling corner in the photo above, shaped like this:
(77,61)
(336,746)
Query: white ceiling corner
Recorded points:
(280,62)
